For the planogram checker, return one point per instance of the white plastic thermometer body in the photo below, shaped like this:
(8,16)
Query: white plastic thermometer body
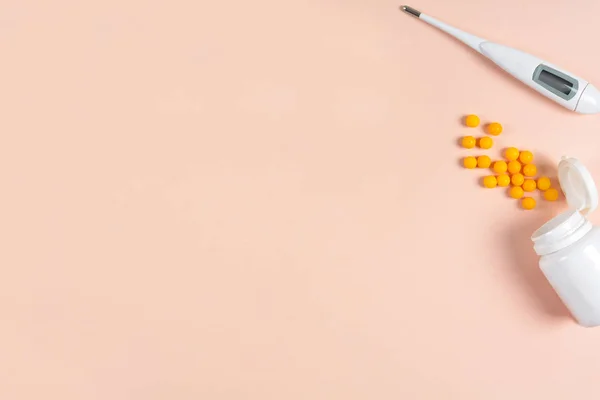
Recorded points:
(566,89)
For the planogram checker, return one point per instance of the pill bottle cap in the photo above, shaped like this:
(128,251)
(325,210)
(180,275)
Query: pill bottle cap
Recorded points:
(578,185)
(560,232)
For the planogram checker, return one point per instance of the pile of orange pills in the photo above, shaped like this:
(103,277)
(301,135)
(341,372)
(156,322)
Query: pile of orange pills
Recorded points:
(516,170)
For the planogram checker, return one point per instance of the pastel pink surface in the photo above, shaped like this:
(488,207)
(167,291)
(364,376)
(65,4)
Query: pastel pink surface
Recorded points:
(263,200)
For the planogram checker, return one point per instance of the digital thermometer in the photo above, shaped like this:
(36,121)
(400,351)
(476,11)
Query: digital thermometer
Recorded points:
(566,89)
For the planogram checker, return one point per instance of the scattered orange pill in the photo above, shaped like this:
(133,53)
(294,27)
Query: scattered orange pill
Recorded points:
(514,167)
(468,142)
(484,162)
(543,183)
(513,170)
(551,194)
(529,185)
(526,157)
(503,180)
(472,121)
(490,182)
(528,203)
(470,162)
(517,179)
(516,192)
(529,170)
(511,154)
(494,128)
(486,143)
(500,167)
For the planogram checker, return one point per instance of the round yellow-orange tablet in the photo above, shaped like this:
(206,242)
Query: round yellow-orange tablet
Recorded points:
(494,128)
(470,162)
(468,142)
(517,179)
(511,154)
(484,162)
(514,167)
(472,121)
(500,167)
(529,170)
(526,157)
(529,185)
(503,180)
(486,143)
(528,203)
(543,183)
(490,182)
(516,192)
(551,194)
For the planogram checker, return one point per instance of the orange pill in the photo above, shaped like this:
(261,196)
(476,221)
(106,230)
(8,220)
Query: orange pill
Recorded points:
(526,157)
(468,142)
(514,167)
(511,154)
(486,143)
(551,194)
(528,203)
(490,182)
(472,121)
(500,167)
(543,183)
(494,128)
(529,170)
(503,180)
(529,185)
(517,179)
(484,162)
(470,162)
(516,192)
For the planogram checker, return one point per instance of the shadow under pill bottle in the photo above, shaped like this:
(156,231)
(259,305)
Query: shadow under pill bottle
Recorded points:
(569,245)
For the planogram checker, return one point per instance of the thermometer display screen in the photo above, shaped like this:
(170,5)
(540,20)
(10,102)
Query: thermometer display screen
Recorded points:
(555,81)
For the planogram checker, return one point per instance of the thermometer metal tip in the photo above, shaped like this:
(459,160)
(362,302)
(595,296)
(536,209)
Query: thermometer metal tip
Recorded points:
(411,11)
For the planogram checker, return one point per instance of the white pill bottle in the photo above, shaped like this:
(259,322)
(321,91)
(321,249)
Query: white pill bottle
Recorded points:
(569,245)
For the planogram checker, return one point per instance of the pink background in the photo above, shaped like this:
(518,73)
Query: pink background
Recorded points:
(262,200)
